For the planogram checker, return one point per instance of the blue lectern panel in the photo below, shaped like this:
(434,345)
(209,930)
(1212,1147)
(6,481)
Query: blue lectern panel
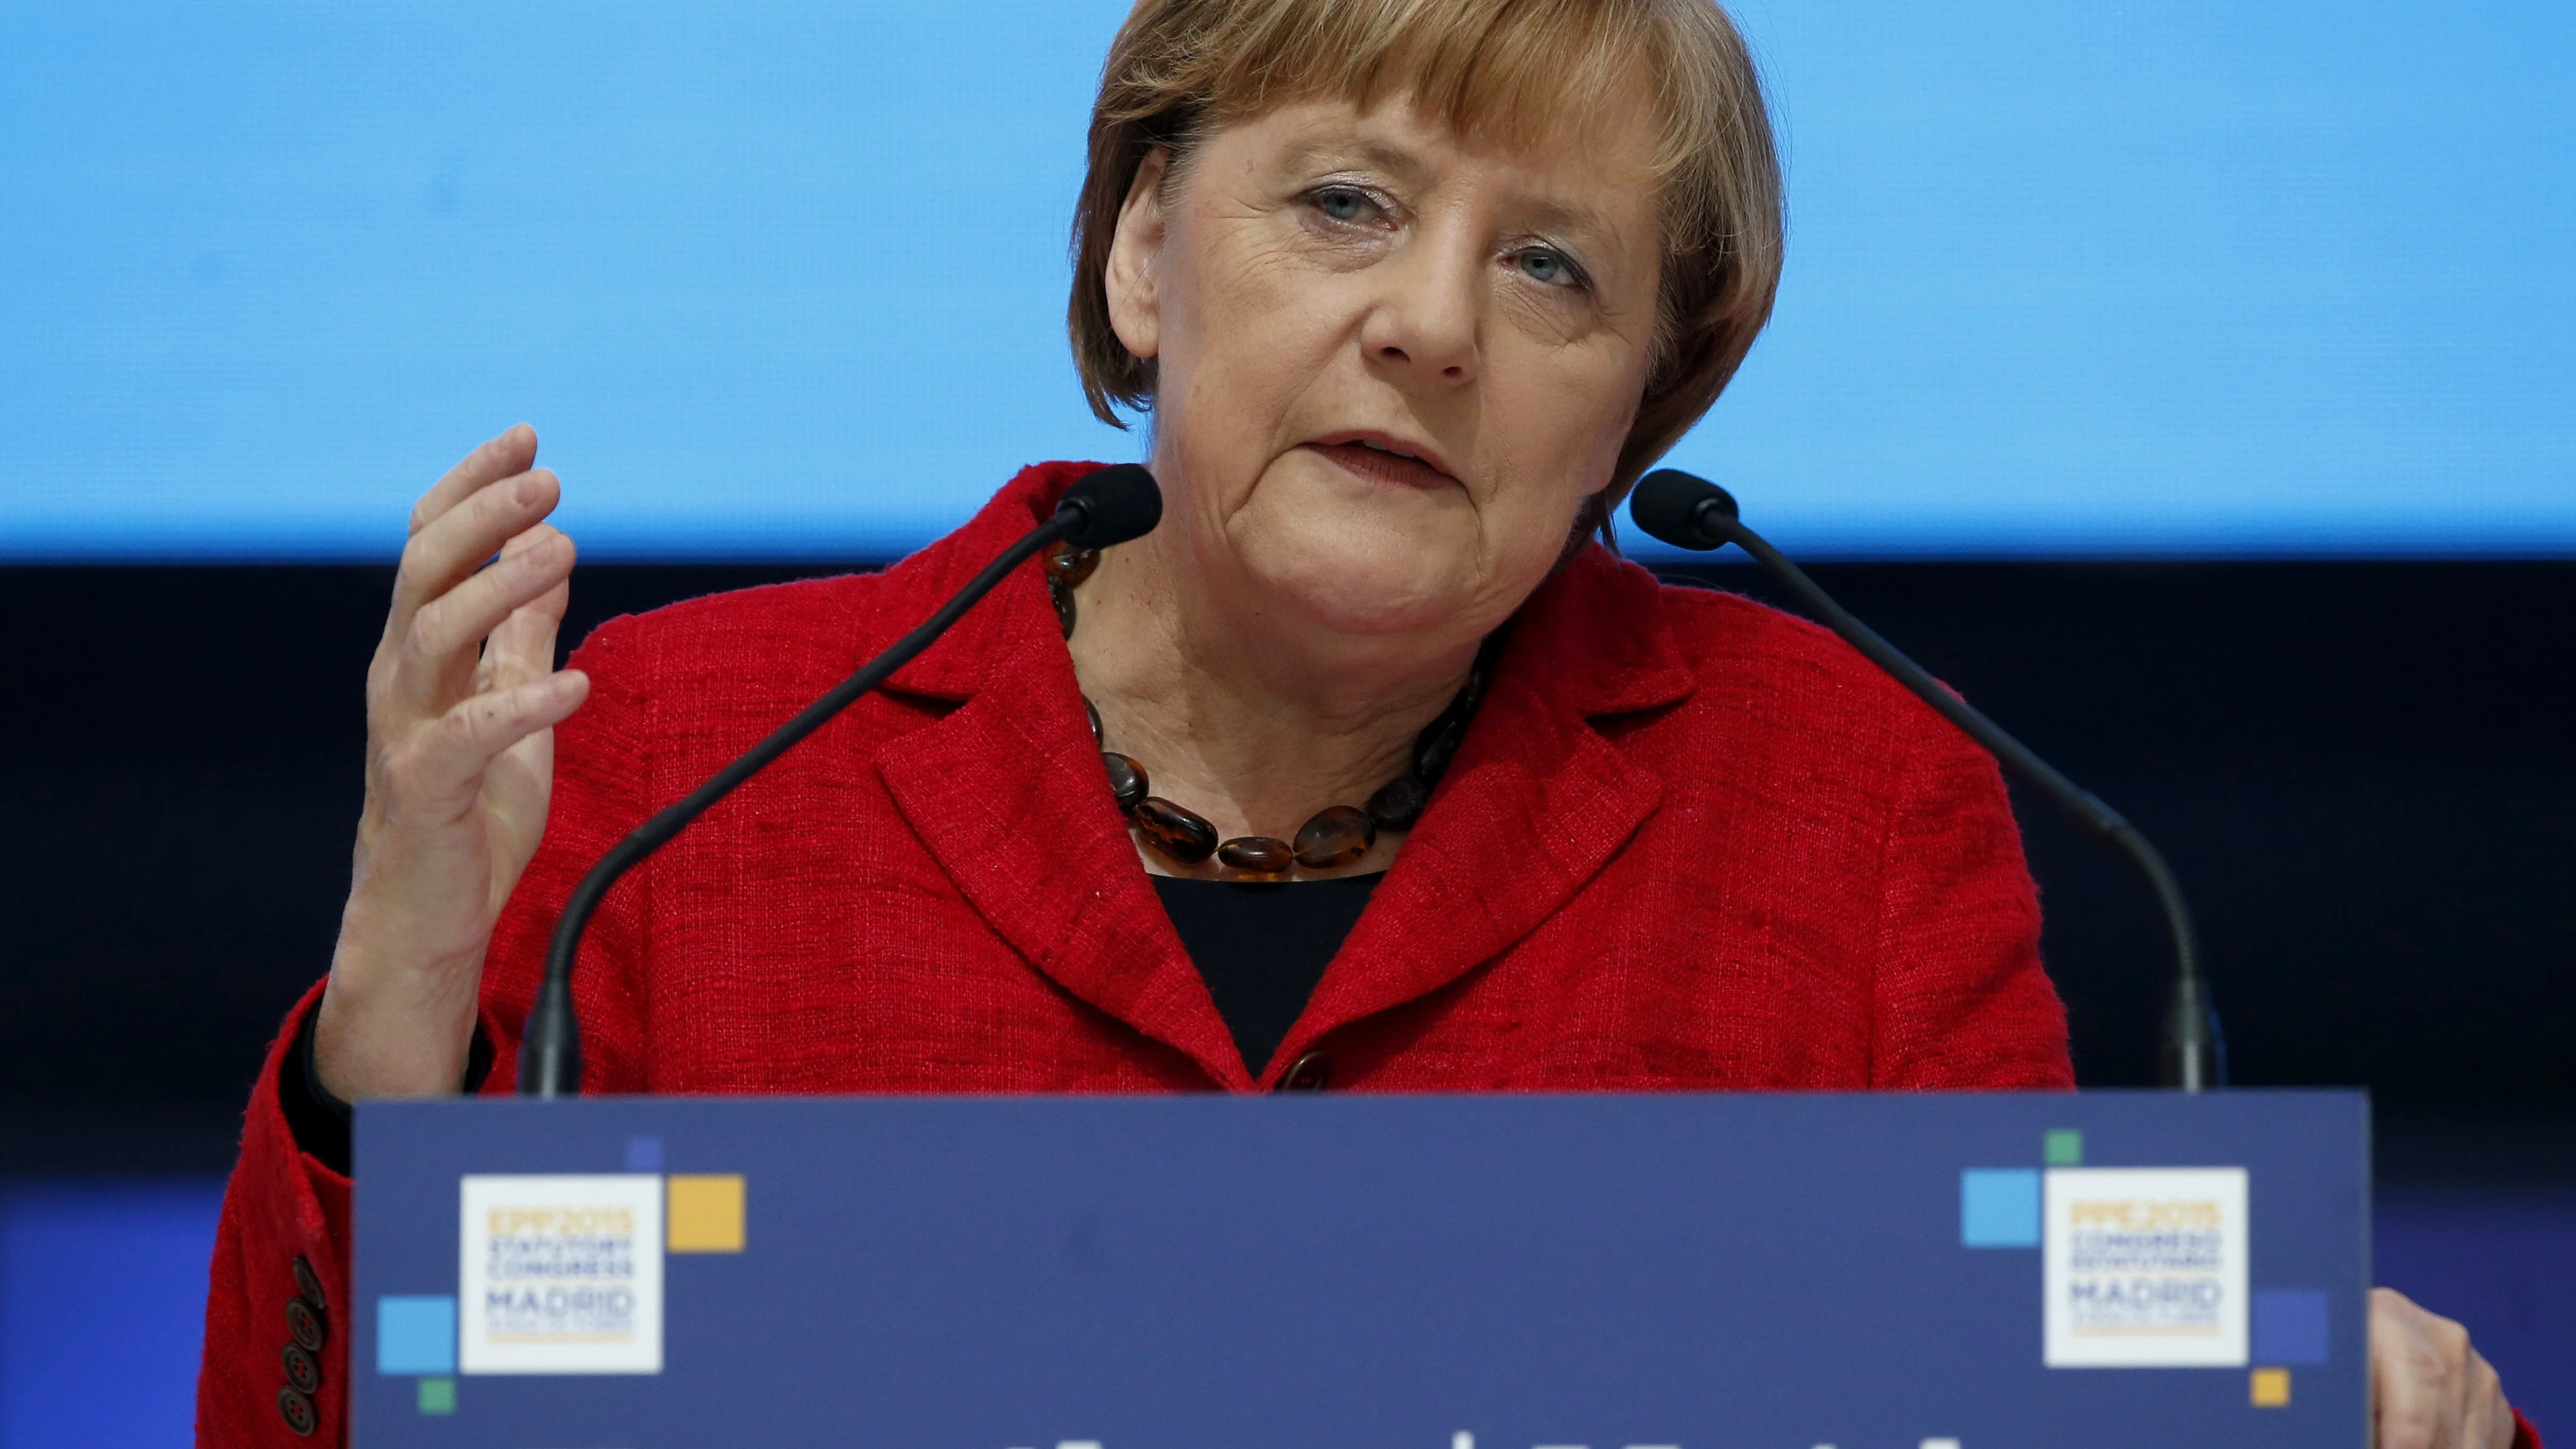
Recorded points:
(1414,1273)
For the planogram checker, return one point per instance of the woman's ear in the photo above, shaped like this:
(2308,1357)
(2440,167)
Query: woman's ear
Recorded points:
(1135,302)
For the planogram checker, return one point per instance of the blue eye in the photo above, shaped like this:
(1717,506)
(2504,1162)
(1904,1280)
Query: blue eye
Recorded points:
(1549,268)
(1343,204)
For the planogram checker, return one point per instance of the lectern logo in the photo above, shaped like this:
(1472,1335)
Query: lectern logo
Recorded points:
(2145,1267)
(561,1274)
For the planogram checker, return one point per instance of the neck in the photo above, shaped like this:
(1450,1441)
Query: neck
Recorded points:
(1250,716)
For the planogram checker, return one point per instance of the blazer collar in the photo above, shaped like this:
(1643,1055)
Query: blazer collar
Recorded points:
(1005,789)
(1006,792)
(996,634)
(1535,803)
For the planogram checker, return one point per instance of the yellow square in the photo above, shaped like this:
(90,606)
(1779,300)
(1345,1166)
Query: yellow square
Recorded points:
(2272,1388)
(705,1214)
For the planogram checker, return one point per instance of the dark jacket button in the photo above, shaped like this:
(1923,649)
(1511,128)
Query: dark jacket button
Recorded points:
(309,1283)
(1308,1073)
(296,1410)
(302,1371)
(311,1327)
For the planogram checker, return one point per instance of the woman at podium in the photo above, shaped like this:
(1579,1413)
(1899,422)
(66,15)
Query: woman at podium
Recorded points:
(1373,768)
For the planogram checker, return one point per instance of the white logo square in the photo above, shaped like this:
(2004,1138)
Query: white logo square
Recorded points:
(2145,1267)
(560,1275)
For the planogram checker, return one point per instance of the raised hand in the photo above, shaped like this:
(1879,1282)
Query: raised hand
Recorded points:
(2429,1389)
(462,700)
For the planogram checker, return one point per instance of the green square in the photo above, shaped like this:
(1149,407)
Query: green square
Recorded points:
(2062,1147)
(438,1396)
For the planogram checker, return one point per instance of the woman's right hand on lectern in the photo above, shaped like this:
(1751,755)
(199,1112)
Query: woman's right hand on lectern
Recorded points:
(462,700)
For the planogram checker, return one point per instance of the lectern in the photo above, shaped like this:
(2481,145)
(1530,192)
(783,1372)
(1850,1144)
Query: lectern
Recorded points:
(1364,1272)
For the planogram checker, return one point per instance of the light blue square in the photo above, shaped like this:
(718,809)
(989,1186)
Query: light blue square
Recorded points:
(1999,1207)
(416,1334)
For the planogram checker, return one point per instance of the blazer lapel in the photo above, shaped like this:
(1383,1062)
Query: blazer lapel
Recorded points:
(1535,803)
(1006,793)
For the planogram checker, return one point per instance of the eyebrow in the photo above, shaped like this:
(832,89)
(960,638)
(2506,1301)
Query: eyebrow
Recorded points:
(1407,166)
(1384,155)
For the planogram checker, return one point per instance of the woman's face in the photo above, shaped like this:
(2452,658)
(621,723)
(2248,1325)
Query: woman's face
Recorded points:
(1391,362)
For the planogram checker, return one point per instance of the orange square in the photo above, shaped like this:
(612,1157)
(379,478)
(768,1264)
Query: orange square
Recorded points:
(2271,1388)
(704,1214)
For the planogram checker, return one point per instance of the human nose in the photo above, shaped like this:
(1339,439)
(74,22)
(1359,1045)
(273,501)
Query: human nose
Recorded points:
(1423,330)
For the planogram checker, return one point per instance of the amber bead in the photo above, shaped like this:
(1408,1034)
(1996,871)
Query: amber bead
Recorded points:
(1398,803)
(1127,780)
(1174,831)
(1062,598)
(1335,837)
(1256,855)
(1438,745)
(1070,566)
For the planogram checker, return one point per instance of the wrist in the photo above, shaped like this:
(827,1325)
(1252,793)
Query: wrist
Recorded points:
(374,1037)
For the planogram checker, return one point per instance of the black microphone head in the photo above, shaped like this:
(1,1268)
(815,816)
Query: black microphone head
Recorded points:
(1667,504)
(1116,503)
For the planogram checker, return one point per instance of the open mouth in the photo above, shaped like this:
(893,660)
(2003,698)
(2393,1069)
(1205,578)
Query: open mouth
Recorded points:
(1382,462)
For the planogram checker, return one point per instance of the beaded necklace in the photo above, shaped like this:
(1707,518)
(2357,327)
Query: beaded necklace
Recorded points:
(1335,836)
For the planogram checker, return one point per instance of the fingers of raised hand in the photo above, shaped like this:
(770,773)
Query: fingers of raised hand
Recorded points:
(2492,1425)
(441,648)
(522,646)
(450,547)
(441,769)
(512,453)
(2427,1391)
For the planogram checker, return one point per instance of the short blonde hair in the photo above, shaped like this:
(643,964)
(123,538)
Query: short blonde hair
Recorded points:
(1182,68)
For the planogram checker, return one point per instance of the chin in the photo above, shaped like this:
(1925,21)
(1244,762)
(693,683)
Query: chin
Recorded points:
(1367,580)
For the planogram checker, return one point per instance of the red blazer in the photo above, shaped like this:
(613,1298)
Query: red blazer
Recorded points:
(1689,843)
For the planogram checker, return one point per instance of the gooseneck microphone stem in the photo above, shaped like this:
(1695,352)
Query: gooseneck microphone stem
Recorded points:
(550,1052)
(1695,513)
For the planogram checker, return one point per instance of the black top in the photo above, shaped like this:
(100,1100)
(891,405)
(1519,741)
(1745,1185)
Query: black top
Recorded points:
(1261,948)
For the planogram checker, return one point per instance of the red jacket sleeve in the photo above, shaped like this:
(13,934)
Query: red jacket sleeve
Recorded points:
(1959,999)
(282,1211)
(283,1208)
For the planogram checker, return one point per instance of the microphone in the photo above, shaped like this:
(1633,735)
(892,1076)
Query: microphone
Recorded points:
(1107,507)
(1693,513)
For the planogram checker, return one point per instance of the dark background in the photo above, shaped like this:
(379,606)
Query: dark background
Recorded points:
(2361,771)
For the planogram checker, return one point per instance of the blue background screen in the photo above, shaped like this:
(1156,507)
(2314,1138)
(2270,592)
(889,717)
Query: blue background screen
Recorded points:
(782,278)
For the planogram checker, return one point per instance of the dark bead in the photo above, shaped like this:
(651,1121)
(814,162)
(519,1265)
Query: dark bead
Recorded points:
(1471,696)
(1126,781)
(1174,831)
(1093,711)
(1070,566)
(1256,855)
(1398,803)
(1335,837)
(1062,597)
(1438,745)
